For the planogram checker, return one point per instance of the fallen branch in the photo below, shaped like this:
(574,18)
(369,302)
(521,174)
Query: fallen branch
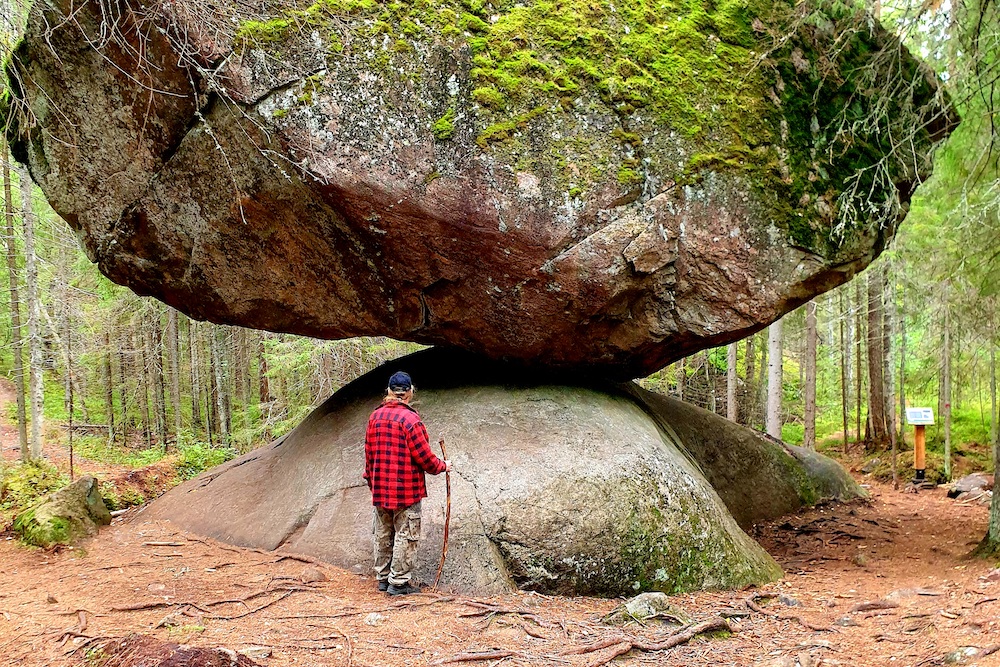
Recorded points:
(872,606)
(471,657)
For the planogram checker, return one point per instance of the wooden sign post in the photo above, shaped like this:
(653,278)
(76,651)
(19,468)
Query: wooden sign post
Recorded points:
(919,418)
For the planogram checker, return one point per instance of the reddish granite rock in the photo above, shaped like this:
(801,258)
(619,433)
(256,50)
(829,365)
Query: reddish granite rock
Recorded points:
(342,169)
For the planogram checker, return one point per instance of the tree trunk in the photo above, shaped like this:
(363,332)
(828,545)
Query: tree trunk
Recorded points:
(774,377)
(844,356)
(946,390)
(154,340)
(15,308)
(174,364)
(35,358)
(993,394)
(876,432)
(857,359)
(889,317)
(760,396)
(710,381)
(990,546)
(809,437)
(681,378)
(219,388)
(264,388)
(123,384)
(993,532)
(208,380)
(139,343)
(195,360)
(63,343)
(731,381)
(109,389)
(62,296)
(750,384)
(902,368)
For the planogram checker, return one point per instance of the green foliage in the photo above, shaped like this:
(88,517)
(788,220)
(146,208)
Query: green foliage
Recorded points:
(793,432)
(97,448)
(119,497)
(192,460)
(23,485)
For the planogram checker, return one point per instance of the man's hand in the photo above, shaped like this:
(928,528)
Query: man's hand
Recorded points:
(447,465)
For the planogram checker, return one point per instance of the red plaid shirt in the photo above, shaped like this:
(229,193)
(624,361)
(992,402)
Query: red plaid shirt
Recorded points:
(397,453)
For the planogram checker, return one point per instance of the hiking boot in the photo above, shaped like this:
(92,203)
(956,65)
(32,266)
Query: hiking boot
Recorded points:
(405,589)
(383,585)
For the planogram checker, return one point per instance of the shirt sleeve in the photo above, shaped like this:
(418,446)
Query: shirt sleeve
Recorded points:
(420,449)
(368,456)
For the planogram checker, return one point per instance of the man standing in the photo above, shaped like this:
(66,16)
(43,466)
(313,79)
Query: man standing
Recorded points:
(397,454)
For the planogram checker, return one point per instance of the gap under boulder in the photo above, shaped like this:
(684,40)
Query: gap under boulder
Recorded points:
(576,487)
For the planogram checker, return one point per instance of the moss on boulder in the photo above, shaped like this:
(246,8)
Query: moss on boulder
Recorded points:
(70,513)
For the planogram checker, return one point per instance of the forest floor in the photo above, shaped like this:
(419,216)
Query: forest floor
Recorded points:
(881,582)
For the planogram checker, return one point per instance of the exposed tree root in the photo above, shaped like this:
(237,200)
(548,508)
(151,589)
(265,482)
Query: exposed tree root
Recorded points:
(751,603)
(607,648)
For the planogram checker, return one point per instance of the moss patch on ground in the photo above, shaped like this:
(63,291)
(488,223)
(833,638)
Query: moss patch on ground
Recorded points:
(23,484)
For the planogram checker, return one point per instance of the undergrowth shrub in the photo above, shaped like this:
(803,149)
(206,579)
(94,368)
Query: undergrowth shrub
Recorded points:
(196,458)
(22,485)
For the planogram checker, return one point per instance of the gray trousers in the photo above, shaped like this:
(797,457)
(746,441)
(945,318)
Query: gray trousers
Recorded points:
(396,535)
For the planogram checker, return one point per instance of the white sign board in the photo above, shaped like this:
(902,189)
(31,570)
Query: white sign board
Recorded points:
(919,416)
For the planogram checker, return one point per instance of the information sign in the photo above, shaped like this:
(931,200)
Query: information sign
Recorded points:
(919,416)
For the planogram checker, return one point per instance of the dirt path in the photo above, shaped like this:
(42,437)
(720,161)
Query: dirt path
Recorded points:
(878,583)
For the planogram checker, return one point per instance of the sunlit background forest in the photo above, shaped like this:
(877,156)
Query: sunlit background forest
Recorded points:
(126,379)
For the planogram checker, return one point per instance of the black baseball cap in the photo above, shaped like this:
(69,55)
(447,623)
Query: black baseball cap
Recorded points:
(400,381)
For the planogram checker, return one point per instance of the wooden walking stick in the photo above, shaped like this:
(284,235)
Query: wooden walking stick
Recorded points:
(447,515)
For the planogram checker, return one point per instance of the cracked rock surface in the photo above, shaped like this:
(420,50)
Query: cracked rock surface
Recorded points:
(573,489)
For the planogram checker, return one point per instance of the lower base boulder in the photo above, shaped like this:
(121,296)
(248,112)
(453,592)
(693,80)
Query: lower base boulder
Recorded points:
(572,488)
(70,513)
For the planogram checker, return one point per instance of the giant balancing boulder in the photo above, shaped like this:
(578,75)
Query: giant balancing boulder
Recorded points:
(576,488)
(609,185)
